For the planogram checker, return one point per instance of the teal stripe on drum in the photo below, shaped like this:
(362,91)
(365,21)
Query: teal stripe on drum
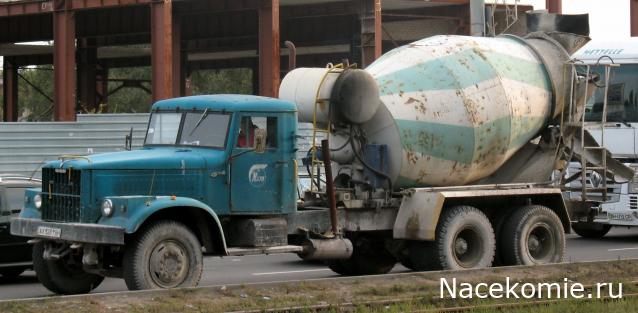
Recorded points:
(466,144)
(461,70)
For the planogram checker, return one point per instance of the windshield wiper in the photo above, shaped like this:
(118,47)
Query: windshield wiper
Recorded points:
(201,119)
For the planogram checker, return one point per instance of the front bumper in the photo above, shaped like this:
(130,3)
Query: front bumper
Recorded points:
(74,232)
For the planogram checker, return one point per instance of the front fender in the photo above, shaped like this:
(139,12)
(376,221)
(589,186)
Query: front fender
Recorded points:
(132,211)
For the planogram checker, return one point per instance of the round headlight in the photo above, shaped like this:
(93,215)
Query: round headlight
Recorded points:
(37,201)
(107,208)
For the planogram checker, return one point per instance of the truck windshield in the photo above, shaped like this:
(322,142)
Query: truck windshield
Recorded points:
(622,95)
(206,129)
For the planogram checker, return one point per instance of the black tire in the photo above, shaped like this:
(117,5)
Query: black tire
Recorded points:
(63,276)
(419,256)
(464,239)
(498,220)
(591,230)
(533,235)
(11,272)
(369,257)
(146,257)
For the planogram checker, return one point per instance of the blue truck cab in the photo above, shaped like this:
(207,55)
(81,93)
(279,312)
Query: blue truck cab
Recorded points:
(205,161)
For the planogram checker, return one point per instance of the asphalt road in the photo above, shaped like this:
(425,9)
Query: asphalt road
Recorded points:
(620,243)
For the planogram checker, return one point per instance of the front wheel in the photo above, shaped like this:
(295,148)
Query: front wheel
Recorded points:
(165,254)
(65,275)
(533,235)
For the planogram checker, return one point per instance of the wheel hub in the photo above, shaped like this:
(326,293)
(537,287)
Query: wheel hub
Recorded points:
(169,264)
(460,246)
(467,247)
(533,243)
(540,243)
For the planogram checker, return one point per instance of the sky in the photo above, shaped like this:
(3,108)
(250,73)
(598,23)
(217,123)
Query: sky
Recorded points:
(608,19)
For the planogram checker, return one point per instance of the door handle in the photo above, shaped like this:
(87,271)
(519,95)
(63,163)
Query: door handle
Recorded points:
(218,173)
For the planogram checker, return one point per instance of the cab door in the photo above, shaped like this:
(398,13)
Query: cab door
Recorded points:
(256,177)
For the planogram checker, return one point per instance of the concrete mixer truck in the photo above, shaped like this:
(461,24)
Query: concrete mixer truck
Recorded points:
(443,154)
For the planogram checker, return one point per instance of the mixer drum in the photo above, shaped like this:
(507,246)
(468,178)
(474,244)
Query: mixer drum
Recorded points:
(456,108)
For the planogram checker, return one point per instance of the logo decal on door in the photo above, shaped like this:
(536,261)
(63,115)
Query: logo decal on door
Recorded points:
(257,175)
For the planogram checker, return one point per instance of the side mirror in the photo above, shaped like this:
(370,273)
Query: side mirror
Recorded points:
(259,144)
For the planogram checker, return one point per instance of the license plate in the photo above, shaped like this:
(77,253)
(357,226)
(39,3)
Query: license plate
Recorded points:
(49,231)
(620,216)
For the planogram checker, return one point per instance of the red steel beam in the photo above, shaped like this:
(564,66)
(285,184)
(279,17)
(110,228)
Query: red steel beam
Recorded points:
(269,50)
(25,8)
(39,6)
(371,32)
(165,51)
(64,99)
(554,6)
(633,16)
(95,4)
(10,91)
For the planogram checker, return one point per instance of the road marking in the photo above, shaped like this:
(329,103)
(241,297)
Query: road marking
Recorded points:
(291,272)
(622,249)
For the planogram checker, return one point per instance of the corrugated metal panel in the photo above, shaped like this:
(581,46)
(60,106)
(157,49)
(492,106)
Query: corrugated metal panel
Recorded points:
(25,146)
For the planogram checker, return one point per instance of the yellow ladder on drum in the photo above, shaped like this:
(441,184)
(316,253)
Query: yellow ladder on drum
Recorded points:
(316,163)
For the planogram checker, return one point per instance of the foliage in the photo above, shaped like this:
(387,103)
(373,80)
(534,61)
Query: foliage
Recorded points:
(236,81)
(34,106)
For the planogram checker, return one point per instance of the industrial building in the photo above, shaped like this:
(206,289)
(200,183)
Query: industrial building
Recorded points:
(178,37)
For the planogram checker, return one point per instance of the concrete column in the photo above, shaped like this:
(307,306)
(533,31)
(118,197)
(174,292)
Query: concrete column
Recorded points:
(10,91)
(269,49)
(477,18)
(554,6)
(371,32)
(64,98)
(165,51)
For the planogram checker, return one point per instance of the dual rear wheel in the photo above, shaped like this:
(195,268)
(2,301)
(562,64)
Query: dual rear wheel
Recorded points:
(466,239)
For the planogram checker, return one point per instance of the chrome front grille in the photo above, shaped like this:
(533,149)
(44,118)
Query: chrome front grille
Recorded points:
(61,195)
(633,202)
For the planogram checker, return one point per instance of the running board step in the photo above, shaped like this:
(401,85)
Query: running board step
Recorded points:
(264,250)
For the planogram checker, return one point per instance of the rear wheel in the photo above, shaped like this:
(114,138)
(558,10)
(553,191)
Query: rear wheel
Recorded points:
(163,255)
(464,239)
(369,257)
(533,235)
(65,275)
(591,230)
(11,272)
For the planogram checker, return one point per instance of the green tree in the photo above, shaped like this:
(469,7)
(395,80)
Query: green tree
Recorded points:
(35,89)
(235,80)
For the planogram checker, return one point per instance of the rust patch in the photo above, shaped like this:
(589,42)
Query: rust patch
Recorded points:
(412,226)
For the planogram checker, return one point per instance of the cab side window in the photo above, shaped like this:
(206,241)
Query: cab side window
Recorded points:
(249,124)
